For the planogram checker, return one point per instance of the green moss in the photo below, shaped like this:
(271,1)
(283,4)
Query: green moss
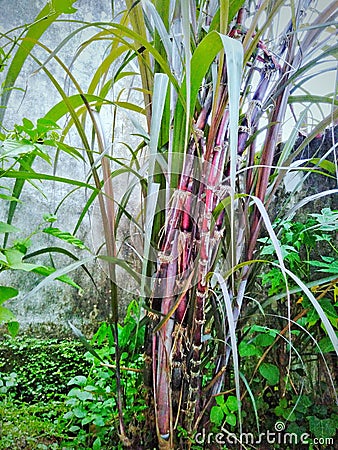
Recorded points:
(25,426)
(44,367)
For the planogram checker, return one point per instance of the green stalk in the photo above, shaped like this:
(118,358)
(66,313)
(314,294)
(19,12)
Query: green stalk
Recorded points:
(107,207)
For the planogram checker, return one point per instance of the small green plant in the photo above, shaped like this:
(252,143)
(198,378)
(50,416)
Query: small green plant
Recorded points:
(92,402)
(45,367)
(283,390)
(282,367)
(7,383)
(31,426)
(224,412)
(301,245)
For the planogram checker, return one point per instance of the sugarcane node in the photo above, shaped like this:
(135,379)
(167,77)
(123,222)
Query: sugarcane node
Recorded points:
(165,259)
(147,359)
(244,129)
(256,102)
(193,382)
(152,315)
(200,322)
(198,348)
(204,233)
(200,294)
(195,363)
(190,408)
(182,194)
(199,132)
(208,214)
(193,390)
(180,283)
(218,233)
(223,191)
(179,330)
(203,281)
(176,364)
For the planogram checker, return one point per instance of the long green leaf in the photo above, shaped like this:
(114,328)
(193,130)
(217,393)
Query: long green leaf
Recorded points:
(201,60)
(232,331)
(43,176)
(58,273)
(45,18)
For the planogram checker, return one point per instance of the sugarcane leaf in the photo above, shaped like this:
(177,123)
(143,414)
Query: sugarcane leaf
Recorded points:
(309,199)
(224,16)
(156,13)
(76,100)
(62,251)
(46,271)
(120,262)
(233,8)
(9,198)
(140,37)
(106,65)
(332,50)
(159,96)
(21,175)
(254,33)
(318,308)
(85,210)
(78,333)
(201,60)
(252,398)
(25,165)
(319,128)
(130,107)
(290,143)
(312,99)
(58,273)
(153,191)
(44,19)
(232,332)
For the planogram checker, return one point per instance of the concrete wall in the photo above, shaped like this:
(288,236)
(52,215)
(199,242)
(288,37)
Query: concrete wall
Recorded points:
(56,303)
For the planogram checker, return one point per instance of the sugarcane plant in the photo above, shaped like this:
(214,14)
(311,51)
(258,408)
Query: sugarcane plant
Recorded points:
(233,76)
(219,80)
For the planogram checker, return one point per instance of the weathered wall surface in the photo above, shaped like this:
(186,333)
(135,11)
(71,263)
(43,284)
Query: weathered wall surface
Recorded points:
(56,303)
